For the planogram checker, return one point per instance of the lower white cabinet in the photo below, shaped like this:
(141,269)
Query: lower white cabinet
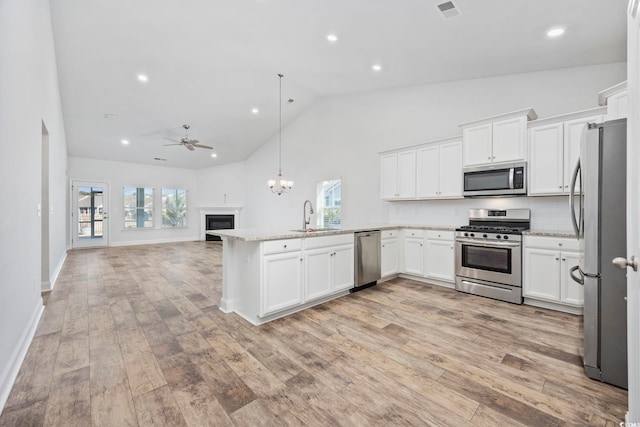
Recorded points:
(282,281)
(546,265)
(389,255)
(414,252)
(328,270)
(440,255)
(296,271)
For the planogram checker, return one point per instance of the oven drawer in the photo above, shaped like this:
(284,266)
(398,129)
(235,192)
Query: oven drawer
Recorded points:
(490,290)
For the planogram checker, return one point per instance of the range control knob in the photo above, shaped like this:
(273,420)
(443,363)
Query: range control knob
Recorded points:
(466,234)
(498,236)
(505,237)
(472,235)
(484,235)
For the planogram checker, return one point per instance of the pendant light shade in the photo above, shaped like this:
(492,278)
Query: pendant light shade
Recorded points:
(280,185)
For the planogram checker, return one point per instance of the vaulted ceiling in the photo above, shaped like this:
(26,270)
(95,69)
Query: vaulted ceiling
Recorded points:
(210,62)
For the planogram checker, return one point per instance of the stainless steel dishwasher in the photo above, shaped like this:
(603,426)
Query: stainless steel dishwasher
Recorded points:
(367,259)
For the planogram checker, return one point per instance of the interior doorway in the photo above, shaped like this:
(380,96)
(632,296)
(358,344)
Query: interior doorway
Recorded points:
(90,219)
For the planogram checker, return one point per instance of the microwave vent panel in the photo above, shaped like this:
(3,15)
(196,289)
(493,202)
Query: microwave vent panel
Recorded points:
(448,9)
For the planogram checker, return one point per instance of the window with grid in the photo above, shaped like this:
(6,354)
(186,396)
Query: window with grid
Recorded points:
(138,207)
(174,208)
(329,203)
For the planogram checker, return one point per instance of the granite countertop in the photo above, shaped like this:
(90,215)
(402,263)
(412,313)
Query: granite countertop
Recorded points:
(546,233)
(262,234)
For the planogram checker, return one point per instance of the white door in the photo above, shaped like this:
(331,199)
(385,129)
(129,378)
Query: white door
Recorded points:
(509,139)
(407,174)
(89,214)
(317,271)
(343,267)
(545,159)
(633,209)
(476,145)
(389,176)
(573,131)
(440,260)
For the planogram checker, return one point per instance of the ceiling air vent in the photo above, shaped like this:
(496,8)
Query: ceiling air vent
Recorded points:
(448,9)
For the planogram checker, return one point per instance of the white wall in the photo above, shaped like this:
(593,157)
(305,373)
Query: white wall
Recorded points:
(221,186)
(341,136)
(30,97)
(121,174)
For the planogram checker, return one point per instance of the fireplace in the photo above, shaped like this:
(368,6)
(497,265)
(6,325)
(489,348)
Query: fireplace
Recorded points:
(218,222)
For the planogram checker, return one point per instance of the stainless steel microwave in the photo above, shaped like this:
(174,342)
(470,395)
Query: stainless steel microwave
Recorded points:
(507,179)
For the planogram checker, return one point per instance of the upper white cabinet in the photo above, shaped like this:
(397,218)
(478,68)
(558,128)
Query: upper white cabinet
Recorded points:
(398,175)
(615,98)
(496,139)
(554,149)
(439,170)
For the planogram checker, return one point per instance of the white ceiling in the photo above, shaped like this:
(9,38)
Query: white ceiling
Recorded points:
(210,62)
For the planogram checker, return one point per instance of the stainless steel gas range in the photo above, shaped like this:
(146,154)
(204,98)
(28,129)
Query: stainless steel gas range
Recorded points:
(489,253)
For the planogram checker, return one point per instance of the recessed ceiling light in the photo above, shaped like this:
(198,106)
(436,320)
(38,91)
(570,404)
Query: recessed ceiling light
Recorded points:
(214,155)
(376,67)
(143,77)
(332,38)
(255,110)
(555,32)
(124,141)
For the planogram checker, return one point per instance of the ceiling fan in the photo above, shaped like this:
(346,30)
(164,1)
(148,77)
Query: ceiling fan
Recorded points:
(190,144)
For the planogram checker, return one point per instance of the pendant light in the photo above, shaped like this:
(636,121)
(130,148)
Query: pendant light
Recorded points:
(280,185)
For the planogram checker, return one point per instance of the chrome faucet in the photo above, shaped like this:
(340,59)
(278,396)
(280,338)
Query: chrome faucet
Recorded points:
(306,221)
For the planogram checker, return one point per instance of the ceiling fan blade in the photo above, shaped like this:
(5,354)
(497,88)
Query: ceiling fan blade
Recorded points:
(202,146)
(189,147)
(174,140)
(193,141)
(167,145)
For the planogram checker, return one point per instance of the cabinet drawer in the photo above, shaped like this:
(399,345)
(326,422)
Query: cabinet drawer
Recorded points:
(553,243)
(388,234)
(411,232)
(439,235)
(279,246)
(327,241)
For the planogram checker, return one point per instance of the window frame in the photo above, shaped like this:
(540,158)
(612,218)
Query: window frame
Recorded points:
(184,208)
(148,194)
(322,207)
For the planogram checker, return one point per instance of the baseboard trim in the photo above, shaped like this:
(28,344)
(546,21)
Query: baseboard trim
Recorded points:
(10,372)
(48,286)
(155,241)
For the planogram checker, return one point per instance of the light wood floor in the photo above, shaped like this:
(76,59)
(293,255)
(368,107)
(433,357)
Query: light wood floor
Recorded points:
(133,336)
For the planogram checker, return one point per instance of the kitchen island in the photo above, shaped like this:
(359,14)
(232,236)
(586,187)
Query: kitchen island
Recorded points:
(267,274)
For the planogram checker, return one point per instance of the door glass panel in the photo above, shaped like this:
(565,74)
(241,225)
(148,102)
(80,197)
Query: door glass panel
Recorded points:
(90,212)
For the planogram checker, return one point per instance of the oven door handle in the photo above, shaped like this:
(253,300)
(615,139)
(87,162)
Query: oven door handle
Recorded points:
(491,244)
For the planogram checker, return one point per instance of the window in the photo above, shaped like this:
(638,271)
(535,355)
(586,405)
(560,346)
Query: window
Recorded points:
(329,203)
(138,207)
(174,208)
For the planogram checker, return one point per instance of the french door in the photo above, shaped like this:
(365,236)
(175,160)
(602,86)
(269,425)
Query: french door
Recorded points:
(90,219)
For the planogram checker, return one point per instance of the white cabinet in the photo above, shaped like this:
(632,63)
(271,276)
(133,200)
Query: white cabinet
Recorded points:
(282,276)
(496,140)
(554,149)
(439,170)
(546,265)
(615,98)
(328,265)
(413,252)
(398,175)
(389,253)
(440,255)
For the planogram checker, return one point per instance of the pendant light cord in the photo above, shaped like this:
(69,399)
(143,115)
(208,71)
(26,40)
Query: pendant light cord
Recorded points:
(280,134)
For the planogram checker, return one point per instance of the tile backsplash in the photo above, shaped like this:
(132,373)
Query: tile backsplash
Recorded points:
(547,213)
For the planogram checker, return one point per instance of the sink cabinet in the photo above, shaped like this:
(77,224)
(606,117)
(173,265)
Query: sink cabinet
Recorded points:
(328,268)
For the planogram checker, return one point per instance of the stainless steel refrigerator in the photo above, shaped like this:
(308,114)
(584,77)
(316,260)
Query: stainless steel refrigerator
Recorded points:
(598,214)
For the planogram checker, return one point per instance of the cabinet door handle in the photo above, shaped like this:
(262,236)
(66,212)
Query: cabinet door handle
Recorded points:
(489,158)
(557,258)
(559,186)
(285,246)
(564,259)
(559,244)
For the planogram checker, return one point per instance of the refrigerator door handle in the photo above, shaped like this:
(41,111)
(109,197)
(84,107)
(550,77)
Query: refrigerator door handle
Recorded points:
(579,280)
(572,196)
